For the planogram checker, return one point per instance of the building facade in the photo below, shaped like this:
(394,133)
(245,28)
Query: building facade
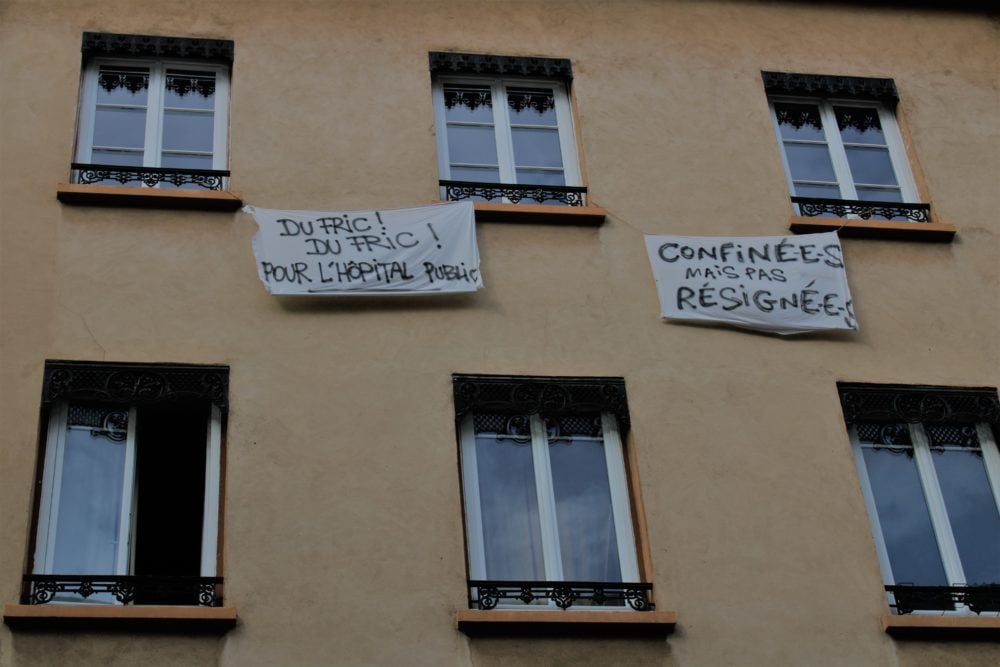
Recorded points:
(197,471)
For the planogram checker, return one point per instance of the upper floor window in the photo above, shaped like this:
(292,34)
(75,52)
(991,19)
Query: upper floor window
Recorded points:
(505,129)
(129,501)
(929,468)
(841,147)
(547,502)
(154,111)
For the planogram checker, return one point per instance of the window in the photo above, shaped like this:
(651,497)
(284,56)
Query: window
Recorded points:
(154,112)
(841,147)
(128,509)
(547,505)
(929,468)
(505,129)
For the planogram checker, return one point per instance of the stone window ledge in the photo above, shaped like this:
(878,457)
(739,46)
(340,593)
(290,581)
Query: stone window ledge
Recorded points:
(918,626)
(882,229)
(121,195)
(481,623)
(540,213)
(88,617)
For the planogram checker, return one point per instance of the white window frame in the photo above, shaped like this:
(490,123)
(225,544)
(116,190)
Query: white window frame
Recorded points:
(502,126)
(48,514)
(835,145)
(153,143)
(944,536)
(620,506)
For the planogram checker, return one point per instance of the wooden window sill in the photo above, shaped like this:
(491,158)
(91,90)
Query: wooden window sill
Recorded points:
(880,229)
(480,623)
(121,195)
(119,618)
(540,213)
(916,626)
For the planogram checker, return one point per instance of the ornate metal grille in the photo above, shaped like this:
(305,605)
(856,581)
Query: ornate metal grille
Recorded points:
(866,210)
(194,591)
(906,598)
(488,594)
(515,193)
(817,85)
(209,179)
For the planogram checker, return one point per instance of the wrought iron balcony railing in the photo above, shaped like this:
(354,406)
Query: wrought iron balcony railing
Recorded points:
(488,594)
(565,195)
(978,599)
(137,589)
(866,210)
(209,179)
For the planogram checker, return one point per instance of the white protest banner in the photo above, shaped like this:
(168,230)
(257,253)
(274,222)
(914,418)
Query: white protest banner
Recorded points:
(782,284)
(424,250)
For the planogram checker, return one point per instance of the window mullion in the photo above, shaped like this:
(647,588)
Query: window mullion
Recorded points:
(154,117)
(991,459)
(551,552)
(837,153)
(504,138)
(897,155)
(48,514)
(213,486)
(873,518)
(220,120)
(473,505)
(618,484)
(567,135)
(125,554)
(936,506)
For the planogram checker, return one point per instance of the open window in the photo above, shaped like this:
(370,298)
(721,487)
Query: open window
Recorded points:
(128,505)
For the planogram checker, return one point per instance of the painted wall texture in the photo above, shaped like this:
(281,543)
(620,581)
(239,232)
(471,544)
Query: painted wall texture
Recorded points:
(343,525)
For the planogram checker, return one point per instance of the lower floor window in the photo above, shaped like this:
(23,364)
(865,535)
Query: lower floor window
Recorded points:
(128,509)
(929,468)
(547,509)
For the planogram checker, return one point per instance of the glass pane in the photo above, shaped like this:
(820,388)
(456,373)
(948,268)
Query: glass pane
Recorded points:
(182,161)
(123,85)
(810,162)
(587,537)
(472,144)
(880,194)
(120,128)
(185,130)
(902,511)
(508,501)
(799,121)
(538,177)
(536,148)
(871,165)
(481,175)
(189,90)
(859,125)
(972,511)
(468,104)
(531,106)
(813,190)
(90,496)
(131,159)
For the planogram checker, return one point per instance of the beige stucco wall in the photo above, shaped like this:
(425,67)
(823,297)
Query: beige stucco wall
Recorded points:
(343,525)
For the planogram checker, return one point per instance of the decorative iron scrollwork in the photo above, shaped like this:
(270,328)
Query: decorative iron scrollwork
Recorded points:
(210,179)
(550,396)
(907,598)
(132,79)
(105,44)
(183,83)
(817,85)
(866,210)
(926,405)
(445,63)
(134,383)
(564,594)
(195,591)
(515,193)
